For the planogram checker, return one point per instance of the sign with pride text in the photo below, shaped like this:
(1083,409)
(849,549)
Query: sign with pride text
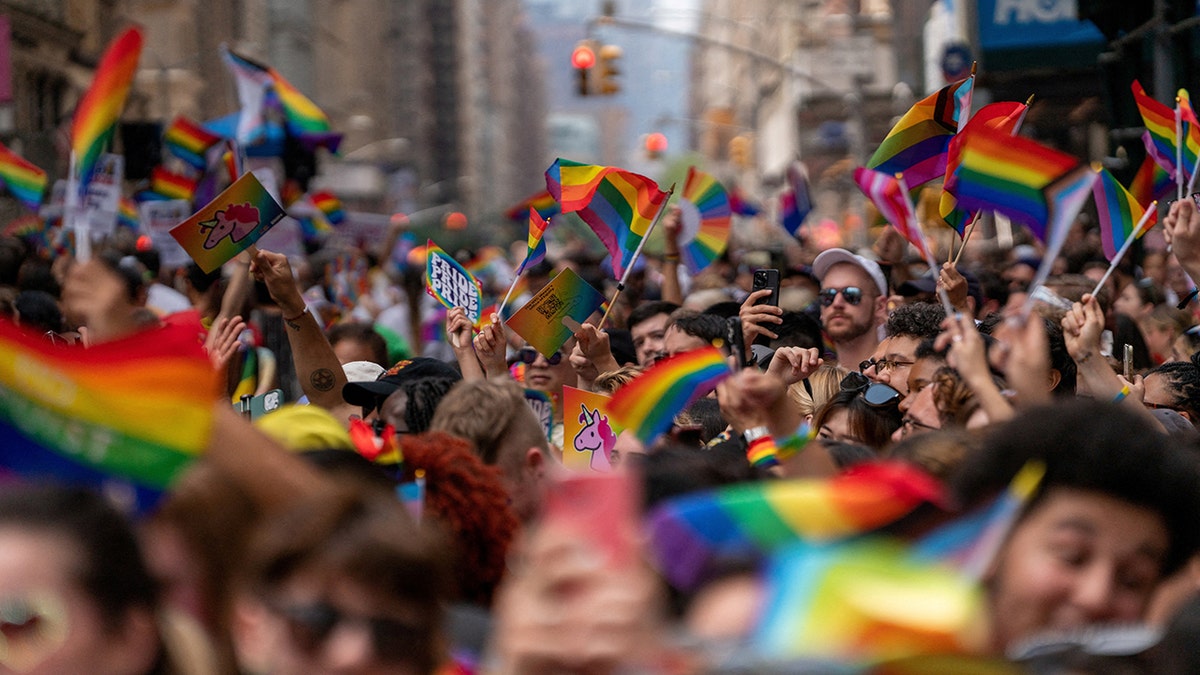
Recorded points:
(450,283)
(237,218)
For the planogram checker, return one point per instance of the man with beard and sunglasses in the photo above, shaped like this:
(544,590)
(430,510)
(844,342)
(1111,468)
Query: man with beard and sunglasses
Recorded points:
(853,300)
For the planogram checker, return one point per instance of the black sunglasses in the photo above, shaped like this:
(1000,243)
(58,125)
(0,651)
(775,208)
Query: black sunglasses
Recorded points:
(311,625)
(852,294)
(528,355)
(876,394)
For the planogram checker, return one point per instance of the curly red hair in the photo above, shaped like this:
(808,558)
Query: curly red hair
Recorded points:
(468,498)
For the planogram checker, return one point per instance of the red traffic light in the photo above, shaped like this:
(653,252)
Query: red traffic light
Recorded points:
(583,57)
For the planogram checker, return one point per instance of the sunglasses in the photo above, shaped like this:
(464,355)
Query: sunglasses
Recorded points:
(876,394)
(311,625)
(852,294)
(527,356)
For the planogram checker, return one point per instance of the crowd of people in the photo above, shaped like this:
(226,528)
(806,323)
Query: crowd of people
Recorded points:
(290,546)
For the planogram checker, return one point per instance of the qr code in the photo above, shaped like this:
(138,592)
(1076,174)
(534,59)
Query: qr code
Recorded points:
(550,307)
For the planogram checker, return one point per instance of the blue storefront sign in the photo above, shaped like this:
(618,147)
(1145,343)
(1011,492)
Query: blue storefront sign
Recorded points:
(1013,31)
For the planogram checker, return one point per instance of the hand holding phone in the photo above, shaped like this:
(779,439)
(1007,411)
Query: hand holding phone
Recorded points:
(767,278)
(1127,362)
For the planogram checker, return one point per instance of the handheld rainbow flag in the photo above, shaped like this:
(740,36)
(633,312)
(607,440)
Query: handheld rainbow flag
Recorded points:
(1121,216)
(189,141)
(1160,124)
(261,86)
(542,202)
(304,119)
(690,535)
(133,412)
(1011,175)
(706,220)
(329,205)
(127,214)
(1190,133)
(1151,182)
(172,185)
(1005,116)
(620,206)
(885,193)
(917,145)
(26,182)
(97,113)
(649,403)
(865,601)
(535,243)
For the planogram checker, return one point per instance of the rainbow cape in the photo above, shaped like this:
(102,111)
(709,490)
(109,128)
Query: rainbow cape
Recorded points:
(691,535)
(1160,123)
(133,412)
(1005,116)
(649,403)
(917,145)
(543,202)
(24,181)
(1119,214)
(97,112)
(1011,175)
(618,205)
(189,141)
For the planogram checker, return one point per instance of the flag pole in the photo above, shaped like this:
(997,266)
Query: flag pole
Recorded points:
(967,237)
(637,252)
(925,250)
(71,207)
(1133,236)
(513,285)
(1178,151)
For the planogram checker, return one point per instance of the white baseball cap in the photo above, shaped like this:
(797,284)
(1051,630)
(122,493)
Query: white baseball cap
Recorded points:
(833,256)
(362,371)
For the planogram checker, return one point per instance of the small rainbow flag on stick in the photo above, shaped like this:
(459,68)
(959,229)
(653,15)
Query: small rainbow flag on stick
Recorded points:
(97,113)
(329,205)
(189,141)
(1121,217)
(1005,116)
(917,145)
(24,181)
(691,534)
(1160,123)
(542,202)
(172,185)
(649,403)
(133,412)
(1151,182)
(620,206)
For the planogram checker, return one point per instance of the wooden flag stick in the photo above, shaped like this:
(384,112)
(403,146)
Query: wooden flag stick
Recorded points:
(967,237)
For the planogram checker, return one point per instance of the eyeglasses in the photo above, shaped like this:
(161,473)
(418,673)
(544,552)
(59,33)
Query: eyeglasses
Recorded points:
(311,625)
(876,394)
(528,355)
(883,365)
(909,424)
(852,294)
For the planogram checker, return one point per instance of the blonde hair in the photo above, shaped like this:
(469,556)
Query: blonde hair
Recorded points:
(825,383)
(610,381)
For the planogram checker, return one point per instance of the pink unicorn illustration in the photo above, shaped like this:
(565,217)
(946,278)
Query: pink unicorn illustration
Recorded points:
(597,438)
(236,222)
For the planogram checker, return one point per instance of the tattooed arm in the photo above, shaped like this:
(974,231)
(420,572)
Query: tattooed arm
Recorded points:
(317,367)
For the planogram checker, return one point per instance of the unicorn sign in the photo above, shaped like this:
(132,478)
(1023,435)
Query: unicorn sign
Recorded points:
(589,436)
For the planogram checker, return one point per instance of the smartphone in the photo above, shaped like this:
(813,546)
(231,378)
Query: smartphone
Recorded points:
(1127,362)
(735,340)
(767,278)
(602,509)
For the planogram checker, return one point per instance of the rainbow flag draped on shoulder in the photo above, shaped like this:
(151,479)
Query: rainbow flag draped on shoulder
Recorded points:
(917,145)
(129,414)
(618,205)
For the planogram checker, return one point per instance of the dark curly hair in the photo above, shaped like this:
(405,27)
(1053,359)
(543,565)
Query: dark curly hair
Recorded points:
(467,498)
(1183,378)
(918,320)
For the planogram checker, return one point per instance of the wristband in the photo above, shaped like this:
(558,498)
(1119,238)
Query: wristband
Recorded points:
(289,319)
(761,451)
(671,257)
(792,445)
(1121,394)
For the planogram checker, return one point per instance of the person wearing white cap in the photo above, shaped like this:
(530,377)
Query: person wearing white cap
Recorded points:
(853,301)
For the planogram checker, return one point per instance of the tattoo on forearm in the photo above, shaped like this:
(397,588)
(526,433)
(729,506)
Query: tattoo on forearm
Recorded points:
(293,324)
(322,379)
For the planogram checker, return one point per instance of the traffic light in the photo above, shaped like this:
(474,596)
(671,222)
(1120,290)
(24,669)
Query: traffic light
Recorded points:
(655,144)
(583,58)
(609,55)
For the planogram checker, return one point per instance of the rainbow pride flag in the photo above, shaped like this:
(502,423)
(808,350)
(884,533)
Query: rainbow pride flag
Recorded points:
(172,185)
(535,243)
(25,182)
(1160,123)
(649,403)
(1151,181)
(303,118)
(1190,127)
(691,535)
(329,205)
(127,214)
(618,205)
(543,202)
(189,141)
(917,145)
(1004,116)
(133,412)
(1120,214)
(1011,175)
(885,193)
(97,112)
(252,80)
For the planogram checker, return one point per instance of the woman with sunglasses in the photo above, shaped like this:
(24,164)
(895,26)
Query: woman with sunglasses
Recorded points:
(862,412)
(548,375)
